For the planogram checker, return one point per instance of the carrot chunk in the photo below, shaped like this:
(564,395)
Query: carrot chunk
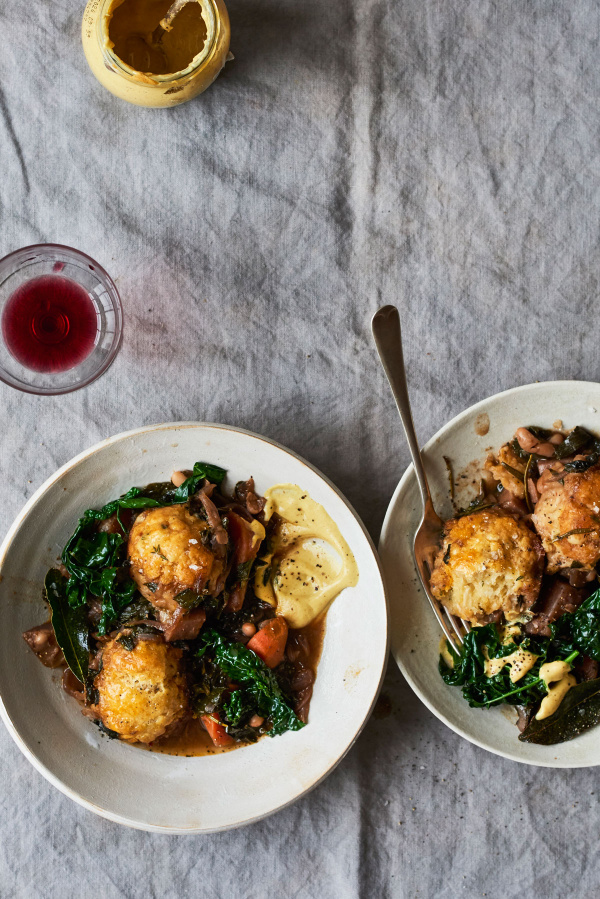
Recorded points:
(217,732)
(269,642)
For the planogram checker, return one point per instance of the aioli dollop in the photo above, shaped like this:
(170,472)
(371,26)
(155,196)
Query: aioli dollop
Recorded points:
(309,563)
(558,680)
(521,661)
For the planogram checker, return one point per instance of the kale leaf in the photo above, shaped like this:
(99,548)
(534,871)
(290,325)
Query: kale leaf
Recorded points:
(581,628)
(580,465)
(208,684)
(573,443)
(572,634)
(245,668)
(481,691)
(88,552)
(70,625)
(138,609)
(469,666)
(95,563)
(238,707)
(96,560)
(133,499)
(202,471)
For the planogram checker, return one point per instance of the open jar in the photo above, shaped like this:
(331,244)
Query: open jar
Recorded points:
(117,40)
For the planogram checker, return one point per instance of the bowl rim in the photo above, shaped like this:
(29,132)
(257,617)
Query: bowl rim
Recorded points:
(535,387)
(5,546)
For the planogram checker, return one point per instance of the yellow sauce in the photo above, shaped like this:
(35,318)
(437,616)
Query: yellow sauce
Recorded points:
(521,661)
(310,563)
(130,36)
(508,632)
(559,680)
(259,533)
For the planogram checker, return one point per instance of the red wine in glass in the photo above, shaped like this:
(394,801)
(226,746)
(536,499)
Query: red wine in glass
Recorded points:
(49,324)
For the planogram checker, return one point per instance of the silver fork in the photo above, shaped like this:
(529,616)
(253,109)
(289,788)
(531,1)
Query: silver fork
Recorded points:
(388,339)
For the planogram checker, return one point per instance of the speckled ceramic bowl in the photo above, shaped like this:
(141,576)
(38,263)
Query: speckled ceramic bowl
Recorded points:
(168,793)
(415,634)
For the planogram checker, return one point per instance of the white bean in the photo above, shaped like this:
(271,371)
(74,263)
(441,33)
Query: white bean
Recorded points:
(526,439)
(544,449)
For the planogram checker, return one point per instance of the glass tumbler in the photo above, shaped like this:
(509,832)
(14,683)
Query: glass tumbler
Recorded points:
(61,319)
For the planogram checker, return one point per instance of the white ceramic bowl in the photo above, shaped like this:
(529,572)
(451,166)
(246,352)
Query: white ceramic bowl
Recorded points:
(169,793)
(415,634)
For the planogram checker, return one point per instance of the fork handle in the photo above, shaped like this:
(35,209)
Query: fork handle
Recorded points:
(388,340)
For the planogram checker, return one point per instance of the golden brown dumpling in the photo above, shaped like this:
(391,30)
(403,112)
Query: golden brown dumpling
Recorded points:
(167,554)
(142,691)
(489,562)
(564,507)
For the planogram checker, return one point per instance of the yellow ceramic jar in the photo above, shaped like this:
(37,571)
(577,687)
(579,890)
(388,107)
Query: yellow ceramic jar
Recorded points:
(120,50)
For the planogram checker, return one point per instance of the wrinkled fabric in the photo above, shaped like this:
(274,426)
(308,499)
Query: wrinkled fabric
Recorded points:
(442,156)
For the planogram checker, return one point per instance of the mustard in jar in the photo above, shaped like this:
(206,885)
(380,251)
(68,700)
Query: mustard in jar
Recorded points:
(126,59)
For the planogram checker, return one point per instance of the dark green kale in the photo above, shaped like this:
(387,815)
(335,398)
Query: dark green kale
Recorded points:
(577,441)
(542,434)
(133,499)
(202,471)
(539,433)
(573,634)
(130,637)
(236,713)
(481,691)
(208,684)
(70,625)
(580,465)
(574,443)
(96,560)
(238,707)
(581,629)
(128,641)
(96,563)
(245,668)
(166,494)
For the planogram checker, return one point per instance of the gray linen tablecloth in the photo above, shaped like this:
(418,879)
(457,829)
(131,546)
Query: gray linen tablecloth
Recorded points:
(440,155)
